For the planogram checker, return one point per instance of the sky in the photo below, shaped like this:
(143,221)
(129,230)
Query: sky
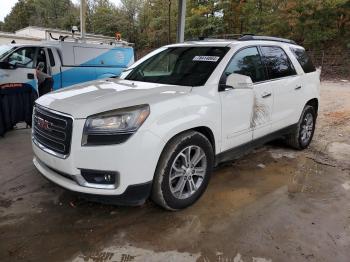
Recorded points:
(6,6)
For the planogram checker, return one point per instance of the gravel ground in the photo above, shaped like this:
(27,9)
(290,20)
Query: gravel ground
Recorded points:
(274,204)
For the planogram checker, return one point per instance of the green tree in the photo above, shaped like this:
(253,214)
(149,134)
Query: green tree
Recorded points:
(204,18)
(155,18)
(52,13)
(19,16)
(103,18)
(313,23)
(48,13)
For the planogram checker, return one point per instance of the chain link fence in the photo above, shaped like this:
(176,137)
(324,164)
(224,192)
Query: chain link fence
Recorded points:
(335,63)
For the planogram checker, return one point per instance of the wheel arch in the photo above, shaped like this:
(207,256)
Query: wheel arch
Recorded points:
(208,133)
(314,103)
(204,130)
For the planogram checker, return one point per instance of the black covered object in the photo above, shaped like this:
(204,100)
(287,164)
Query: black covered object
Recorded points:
(16,105)
(46,86)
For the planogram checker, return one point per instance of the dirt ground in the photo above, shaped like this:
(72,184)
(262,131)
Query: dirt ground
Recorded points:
(274,204)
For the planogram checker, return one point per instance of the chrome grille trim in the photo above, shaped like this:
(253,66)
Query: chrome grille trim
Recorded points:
(52,131)
(49,136)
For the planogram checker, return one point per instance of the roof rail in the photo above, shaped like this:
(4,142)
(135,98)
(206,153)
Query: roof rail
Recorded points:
(265,38)
(222,37)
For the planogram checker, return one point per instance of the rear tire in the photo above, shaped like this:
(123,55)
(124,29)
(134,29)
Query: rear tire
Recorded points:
(183,171)
(302,135)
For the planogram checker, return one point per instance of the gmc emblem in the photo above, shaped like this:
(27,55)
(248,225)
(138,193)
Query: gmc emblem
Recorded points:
(43,124)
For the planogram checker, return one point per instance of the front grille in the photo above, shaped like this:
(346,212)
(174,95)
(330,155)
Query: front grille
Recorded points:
(52,130)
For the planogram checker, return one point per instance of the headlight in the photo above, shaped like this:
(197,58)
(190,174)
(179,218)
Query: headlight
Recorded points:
(114,127)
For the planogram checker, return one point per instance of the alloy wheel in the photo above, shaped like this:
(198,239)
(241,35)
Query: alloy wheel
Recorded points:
(307,128)
(187,172)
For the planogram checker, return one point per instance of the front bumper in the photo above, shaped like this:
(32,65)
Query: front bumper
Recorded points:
(134,195)
(135,162)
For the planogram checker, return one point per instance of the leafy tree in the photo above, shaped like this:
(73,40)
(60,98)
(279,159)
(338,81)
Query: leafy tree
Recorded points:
(102,16)
(52,13)
(20,15)
(204,18)
(49,13)
(152,23)
(155,18)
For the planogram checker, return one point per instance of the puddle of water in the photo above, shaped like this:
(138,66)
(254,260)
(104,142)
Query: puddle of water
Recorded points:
(130,253)
(261,259)
(278,153)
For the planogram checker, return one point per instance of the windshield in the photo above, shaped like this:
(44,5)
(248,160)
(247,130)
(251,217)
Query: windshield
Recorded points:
(4,50)
(188,66)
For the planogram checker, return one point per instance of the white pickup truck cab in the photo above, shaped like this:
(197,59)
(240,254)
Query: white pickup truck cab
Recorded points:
(67,62)
(172,116)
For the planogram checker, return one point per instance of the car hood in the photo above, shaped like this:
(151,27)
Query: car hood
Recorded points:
(94,97)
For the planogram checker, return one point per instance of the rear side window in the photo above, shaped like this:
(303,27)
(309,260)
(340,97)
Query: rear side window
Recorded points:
(277,62)
(304,60)
(247,62)
(51,58)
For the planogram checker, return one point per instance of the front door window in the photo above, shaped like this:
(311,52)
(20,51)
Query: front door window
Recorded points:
(247,62)
(23,57)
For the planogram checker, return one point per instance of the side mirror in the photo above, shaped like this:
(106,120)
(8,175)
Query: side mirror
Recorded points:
(7,65)
(238,81)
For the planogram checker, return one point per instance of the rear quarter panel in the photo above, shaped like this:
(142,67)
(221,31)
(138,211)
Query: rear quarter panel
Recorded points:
(310,82)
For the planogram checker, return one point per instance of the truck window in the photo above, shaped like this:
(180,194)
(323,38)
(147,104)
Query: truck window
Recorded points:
(277,62)
(41,58)
(5,50)
(51,58)
(247,62)
(303,59)
(23,57)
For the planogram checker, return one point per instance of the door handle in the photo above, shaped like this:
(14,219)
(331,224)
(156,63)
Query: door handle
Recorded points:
(297,88)
(265,95)
(30,76)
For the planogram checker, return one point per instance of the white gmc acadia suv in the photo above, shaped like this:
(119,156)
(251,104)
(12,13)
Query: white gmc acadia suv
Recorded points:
(159,130)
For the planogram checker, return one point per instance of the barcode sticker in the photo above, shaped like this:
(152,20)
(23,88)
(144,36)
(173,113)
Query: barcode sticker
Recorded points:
(206,58)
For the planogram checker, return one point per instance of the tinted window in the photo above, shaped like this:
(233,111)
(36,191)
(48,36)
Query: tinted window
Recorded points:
(304,60)
(247,62)
(189,66)
(23,57)
(277,62)
(52,59)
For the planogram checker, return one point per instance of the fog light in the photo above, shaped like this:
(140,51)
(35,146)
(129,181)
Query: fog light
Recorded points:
(108,178)
(99,177)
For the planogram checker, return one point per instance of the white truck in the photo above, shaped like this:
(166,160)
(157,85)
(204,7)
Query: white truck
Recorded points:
(67,62)
(160,129)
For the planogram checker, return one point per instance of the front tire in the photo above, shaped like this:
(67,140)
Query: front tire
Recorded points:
(183,171)
(302,136)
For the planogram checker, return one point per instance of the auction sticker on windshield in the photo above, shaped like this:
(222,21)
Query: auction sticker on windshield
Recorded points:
(206,58)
